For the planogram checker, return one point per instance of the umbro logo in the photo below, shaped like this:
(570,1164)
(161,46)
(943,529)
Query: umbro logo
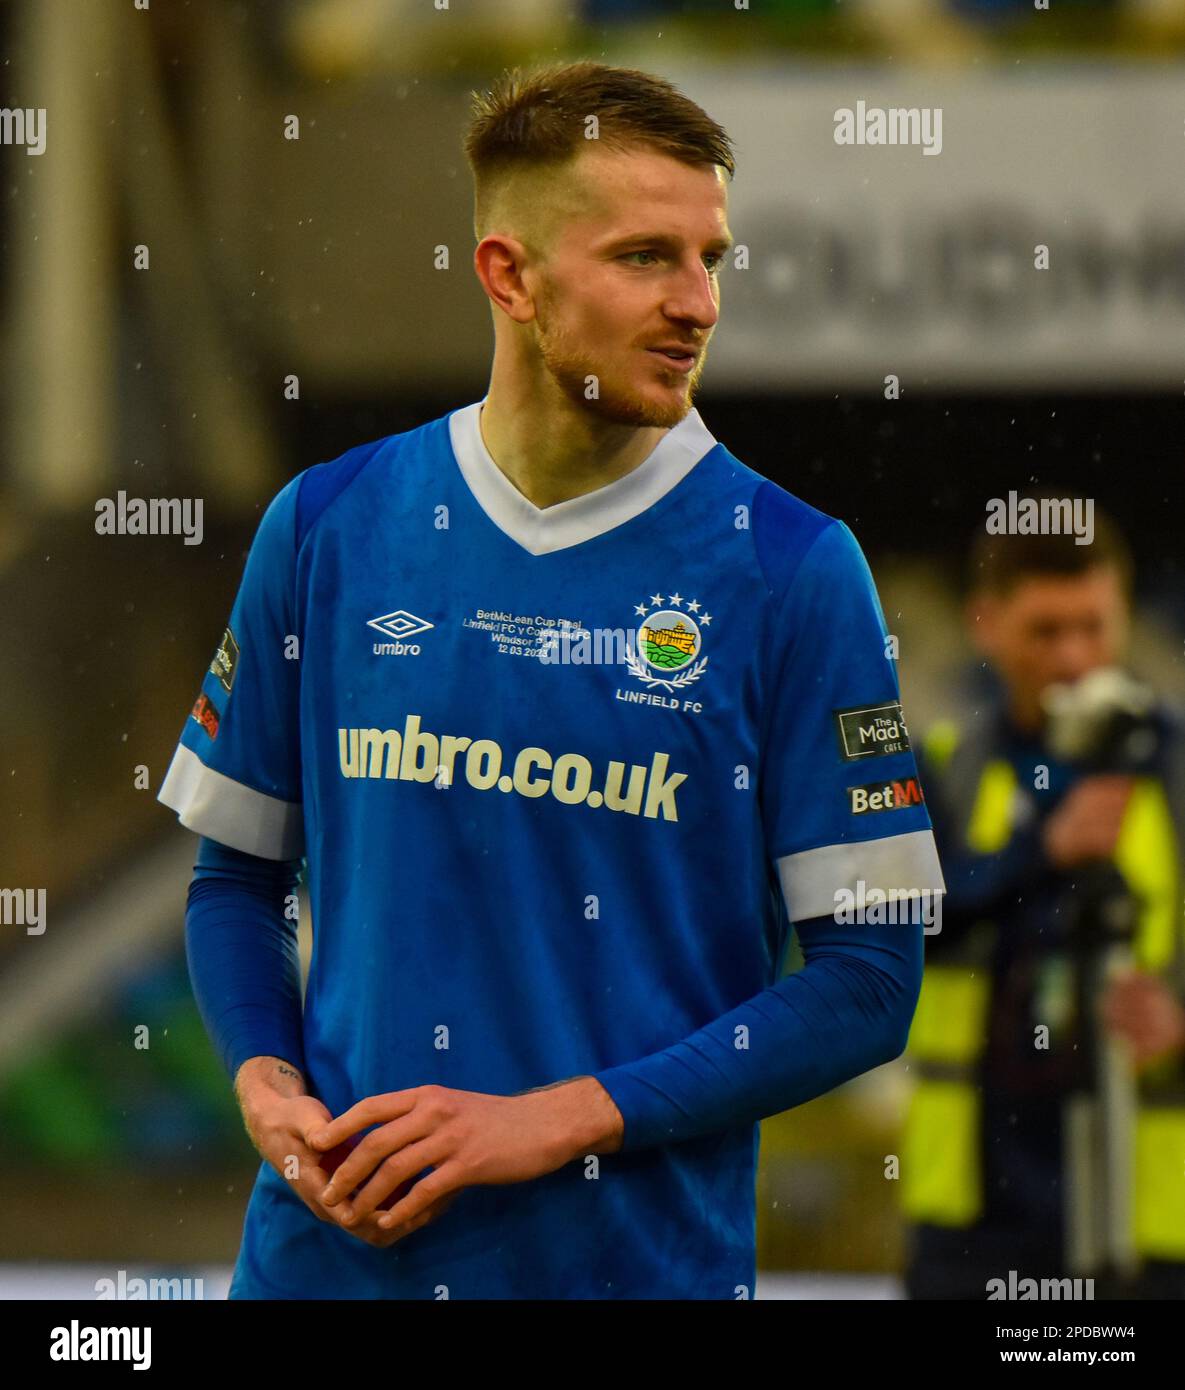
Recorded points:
(399,625)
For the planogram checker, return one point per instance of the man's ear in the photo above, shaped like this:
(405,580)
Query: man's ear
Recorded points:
(981,614)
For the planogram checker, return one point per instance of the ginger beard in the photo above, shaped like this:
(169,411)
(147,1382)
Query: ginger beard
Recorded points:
(570,362)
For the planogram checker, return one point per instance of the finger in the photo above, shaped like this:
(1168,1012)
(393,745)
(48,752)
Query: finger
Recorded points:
(372,1233)
(437,1184)
(370,1155)
(313,1128)
(355,1164)
(406,1228)
(374,1110)
(309,1165)
(314,1172)
(438,1208)
(309,1182)
(368,1232)
(308,1111)
(384,1189)
(394,1177)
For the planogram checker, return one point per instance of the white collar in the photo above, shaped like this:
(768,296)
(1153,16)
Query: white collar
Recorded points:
(540,530)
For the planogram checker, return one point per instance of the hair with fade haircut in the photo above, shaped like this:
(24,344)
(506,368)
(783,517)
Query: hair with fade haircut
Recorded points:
(530,120)
(998,564)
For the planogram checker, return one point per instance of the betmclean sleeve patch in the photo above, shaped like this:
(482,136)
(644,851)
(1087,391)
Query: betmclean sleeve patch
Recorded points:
(836,708)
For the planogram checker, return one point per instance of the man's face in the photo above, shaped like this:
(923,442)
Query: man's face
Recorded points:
(1051,628)
(631,268)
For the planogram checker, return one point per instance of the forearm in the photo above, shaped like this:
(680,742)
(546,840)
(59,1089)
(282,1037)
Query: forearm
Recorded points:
(847,1010)
(243,960)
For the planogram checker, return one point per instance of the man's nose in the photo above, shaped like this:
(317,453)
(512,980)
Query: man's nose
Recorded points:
(693,298)
(1075,657)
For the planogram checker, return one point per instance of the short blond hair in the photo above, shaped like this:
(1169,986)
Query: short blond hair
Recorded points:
(531,120)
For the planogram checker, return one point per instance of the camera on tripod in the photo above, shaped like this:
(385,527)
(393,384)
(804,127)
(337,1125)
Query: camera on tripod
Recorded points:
(1105,721)
(1103,724)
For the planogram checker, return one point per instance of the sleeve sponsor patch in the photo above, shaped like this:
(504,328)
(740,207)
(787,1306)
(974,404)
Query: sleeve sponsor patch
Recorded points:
(885,796)
(226,661)
(205,714)
(871,731)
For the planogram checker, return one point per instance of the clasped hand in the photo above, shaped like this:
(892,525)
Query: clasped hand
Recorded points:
(425,1146)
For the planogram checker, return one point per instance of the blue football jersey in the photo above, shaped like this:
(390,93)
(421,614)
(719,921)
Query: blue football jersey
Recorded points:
(563,778)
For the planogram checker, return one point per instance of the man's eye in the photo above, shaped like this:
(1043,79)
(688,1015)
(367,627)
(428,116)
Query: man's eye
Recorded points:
(713,260)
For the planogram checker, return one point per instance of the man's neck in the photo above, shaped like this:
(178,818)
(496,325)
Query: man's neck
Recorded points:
(554,454)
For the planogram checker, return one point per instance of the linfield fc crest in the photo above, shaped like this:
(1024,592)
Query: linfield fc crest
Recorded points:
(668,642)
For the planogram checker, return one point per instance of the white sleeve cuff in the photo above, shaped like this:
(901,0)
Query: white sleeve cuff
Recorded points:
(222,809)
(812,879)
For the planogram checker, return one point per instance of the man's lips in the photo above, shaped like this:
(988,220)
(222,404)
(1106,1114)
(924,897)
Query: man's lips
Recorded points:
(681,359)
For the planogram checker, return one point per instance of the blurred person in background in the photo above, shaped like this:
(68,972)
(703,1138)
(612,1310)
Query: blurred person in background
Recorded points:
(1034,845)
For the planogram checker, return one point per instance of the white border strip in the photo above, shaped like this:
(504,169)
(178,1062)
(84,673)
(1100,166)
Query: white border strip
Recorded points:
(541,530)
(222,809)
(811,879)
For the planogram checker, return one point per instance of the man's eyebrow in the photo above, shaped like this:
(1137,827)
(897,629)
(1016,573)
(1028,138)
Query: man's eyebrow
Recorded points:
(667,243)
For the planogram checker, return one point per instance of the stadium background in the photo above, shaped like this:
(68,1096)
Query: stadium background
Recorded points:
(318,258)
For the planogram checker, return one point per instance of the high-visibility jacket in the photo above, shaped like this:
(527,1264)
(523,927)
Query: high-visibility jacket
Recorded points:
(942,1169)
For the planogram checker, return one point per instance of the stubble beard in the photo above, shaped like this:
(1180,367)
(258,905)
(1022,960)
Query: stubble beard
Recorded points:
(570,365)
